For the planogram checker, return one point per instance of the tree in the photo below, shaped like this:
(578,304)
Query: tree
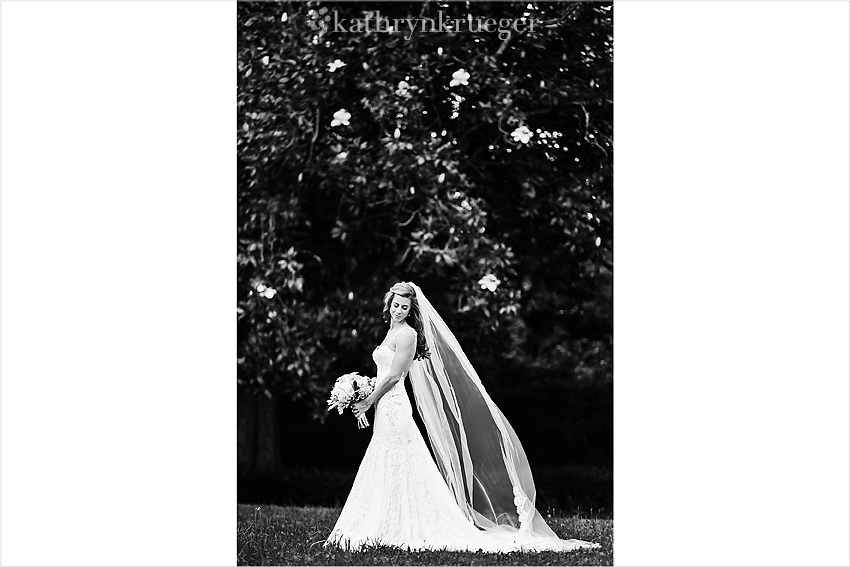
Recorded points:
(476,165)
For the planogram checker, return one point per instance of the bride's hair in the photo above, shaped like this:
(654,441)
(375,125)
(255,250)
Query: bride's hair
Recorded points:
(414,318)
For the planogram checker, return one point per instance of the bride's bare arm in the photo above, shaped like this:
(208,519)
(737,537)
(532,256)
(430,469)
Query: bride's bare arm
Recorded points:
(405,349)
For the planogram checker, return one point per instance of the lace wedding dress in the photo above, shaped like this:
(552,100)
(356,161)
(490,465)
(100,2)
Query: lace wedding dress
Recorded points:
(399,497)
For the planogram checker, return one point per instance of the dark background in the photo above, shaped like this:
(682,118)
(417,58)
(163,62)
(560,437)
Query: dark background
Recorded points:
(428,182)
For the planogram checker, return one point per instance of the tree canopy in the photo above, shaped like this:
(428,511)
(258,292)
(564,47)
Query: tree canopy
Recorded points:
(476,165)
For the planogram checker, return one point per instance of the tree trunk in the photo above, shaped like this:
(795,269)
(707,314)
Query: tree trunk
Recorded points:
(246,431)
(267,455)
(258,436)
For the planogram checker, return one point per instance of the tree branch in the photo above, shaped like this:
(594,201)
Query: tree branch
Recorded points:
(315,135)
(407,222)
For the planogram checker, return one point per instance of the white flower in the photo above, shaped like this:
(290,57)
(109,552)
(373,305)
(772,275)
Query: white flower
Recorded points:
(519,500)
(284,17)
(268,292)
(336,64)
(459,77)
(403,88)
(598,241)
(261,288)
(517,491)
(266,60)
(272,314)
(441,177)
(522,134)
(341,116)
(490,282)
(397,133)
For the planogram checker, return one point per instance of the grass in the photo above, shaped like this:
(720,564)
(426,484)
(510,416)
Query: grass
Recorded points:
(277,535)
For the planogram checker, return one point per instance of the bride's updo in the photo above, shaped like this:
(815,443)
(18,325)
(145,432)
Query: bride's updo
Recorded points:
(414,318)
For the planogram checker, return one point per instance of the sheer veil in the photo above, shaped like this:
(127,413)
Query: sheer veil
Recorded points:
(476,449)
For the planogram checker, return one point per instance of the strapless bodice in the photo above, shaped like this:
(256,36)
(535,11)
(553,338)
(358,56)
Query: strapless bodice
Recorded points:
(383,357)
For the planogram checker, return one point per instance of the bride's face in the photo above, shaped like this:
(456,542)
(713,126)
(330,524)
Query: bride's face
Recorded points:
(399,308)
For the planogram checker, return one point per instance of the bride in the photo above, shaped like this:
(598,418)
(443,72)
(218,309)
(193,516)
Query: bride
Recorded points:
(479,495)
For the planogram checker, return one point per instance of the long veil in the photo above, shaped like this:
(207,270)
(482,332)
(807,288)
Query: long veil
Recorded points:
(476,449)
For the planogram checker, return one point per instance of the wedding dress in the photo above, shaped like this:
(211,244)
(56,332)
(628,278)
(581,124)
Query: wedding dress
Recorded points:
(401,499)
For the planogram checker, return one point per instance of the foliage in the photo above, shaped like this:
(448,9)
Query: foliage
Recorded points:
(422,178)
(269,535)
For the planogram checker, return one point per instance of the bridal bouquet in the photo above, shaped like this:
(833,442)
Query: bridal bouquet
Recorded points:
(348,389)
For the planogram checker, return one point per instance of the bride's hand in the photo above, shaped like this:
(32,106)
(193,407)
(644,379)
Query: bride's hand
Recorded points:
(359,408)
(359,411)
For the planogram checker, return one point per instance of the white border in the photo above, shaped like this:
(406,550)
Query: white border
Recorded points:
(118,247)
(731,321)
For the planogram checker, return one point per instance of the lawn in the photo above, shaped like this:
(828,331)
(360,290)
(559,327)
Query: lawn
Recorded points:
(288,535)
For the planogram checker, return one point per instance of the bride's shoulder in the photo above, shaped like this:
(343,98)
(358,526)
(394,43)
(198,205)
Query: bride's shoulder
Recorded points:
(401,335)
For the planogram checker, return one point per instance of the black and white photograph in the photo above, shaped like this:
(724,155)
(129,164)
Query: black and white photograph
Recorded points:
(431,361)
(425,275)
